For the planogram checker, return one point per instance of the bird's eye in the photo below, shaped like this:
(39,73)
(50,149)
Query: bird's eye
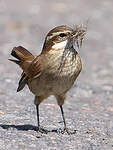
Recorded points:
(62,34)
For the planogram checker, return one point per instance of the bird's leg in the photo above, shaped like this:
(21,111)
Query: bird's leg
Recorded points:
(65,127)
(39,128)
(61,108)
(62,112)
(60,100)
(37,102)
(38,122)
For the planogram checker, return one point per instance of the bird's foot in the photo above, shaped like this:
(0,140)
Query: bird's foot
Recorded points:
(66,130)
(42,130)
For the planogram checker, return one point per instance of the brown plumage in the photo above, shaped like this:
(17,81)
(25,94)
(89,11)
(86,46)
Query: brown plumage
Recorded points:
(55,70)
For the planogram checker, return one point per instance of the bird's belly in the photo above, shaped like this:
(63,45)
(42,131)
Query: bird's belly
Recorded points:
(53,82)
(49,86)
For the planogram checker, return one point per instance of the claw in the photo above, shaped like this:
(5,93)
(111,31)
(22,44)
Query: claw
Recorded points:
(42,130)
(66,130)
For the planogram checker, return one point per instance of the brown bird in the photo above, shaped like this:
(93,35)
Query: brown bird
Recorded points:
(55,70)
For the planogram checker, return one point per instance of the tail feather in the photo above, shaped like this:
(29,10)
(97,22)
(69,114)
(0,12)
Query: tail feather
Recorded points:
(22,50)
(23,58)
(21,53)
(13,53)
(15,61)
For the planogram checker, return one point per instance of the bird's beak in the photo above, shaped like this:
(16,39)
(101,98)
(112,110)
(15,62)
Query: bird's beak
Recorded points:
(78,36)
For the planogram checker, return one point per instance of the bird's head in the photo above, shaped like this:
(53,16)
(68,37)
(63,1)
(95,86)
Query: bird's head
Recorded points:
(63,36)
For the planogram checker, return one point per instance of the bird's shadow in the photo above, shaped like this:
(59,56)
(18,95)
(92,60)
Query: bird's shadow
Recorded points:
(25,127)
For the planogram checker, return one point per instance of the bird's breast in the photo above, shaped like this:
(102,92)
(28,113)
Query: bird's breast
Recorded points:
(62,64)
(59,75)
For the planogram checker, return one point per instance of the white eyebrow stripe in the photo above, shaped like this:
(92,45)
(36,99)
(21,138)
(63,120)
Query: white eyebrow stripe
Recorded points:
(56,33)
(60,45)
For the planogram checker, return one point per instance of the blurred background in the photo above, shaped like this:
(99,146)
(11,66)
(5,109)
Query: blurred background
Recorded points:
(90,104)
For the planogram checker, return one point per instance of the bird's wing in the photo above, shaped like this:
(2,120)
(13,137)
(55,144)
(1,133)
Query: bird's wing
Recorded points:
(35,68)
(22,82)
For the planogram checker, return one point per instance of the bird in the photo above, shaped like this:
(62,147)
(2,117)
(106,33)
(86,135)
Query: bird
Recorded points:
(55,69)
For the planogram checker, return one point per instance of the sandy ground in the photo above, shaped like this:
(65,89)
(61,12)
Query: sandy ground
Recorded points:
(89,105)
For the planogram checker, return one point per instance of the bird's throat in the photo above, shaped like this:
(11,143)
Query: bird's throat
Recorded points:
(60,45)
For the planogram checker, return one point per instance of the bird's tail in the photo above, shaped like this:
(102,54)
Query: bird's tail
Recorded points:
(23,57)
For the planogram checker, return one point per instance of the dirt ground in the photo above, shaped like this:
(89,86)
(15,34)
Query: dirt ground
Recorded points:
(89,104)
